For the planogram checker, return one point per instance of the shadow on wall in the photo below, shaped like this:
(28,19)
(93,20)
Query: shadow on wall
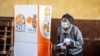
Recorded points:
(91,34)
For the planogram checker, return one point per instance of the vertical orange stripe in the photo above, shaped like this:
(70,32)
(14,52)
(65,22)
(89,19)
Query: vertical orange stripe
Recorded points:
(43,44)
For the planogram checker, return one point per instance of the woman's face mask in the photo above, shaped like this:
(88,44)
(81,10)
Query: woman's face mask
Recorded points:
(64,24)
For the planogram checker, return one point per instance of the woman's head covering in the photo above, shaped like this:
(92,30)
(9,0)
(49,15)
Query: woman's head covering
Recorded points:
(69,17)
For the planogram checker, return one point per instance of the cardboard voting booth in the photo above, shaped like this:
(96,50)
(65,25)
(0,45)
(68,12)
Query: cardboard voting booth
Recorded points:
(32,30)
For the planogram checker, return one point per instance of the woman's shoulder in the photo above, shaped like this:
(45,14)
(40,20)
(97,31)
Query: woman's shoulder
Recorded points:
(76,28)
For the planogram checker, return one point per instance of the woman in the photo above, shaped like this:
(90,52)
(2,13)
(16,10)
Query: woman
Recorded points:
(70,36)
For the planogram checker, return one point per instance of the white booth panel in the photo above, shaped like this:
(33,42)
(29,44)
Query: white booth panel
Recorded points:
(25,37)
(25,49)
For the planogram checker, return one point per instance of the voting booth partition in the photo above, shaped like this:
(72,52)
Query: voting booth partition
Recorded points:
(32,30)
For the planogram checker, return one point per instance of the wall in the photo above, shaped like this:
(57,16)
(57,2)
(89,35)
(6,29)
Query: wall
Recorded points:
(80,9)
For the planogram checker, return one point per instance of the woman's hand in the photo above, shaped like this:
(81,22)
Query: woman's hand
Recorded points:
(67,43)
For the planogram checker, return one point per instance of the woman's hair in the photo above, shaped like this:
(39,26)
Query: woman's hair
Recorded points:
(69,17)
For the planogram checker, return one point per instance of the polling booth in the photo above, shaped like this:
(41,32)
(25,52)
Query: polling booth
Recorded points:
(32,30)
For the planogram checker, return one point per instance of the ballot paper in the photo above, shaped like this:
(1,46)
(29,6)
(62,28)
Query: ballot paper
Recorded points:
(66,40)
(60,44)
